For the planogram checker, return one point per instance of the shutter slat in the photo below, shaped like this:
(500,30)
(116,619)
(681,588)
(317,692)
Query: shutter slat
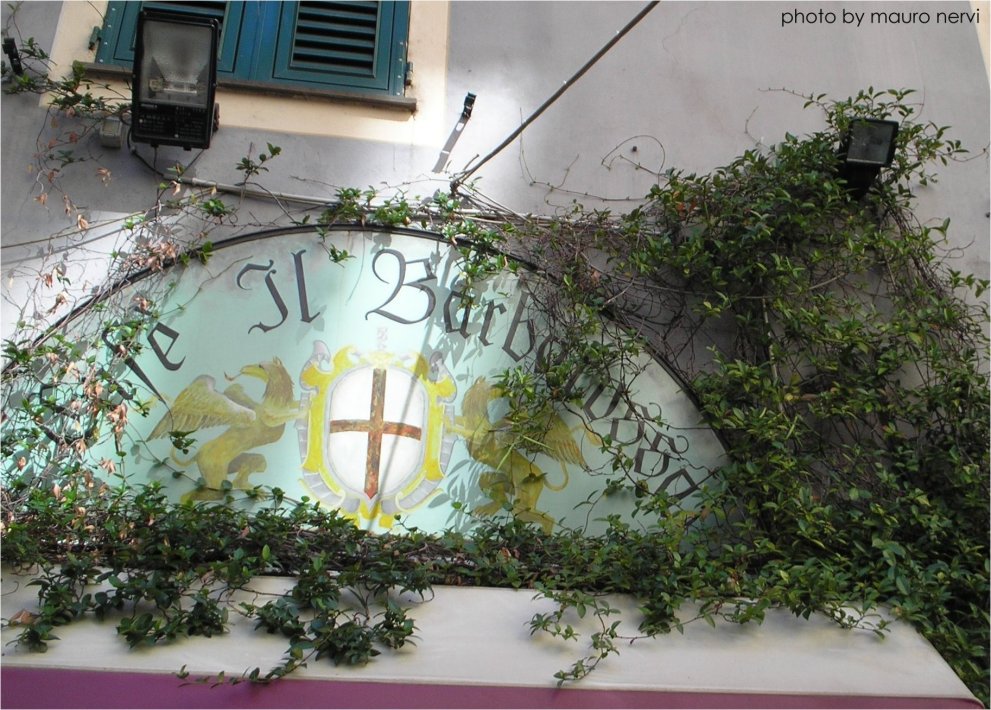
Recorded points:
(320,63)
(333,29)
(342,14)
(328,34)
(315,41)
(328,53)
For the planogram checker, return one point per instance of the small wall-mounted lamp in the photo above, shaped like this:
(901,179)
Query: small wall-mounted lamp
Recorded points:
(468,106)
(174,82)
(445,152)
(10,49)
(868,146)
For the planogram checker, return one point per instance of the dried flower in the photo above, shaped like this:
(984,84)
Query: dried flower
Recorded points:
(118,417)
(23,618)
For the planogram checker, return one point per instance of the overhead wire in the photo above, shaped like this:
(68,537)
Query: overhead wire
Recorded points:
(468,171)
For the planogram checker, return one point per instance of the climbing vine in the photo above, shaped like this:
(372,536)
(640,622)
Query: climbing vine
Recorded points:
(842,363)
(844,368)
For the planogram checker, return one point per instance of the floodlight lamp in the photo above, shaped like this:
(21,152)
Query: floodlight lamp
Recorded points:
(174,80)
(871,142)
(868,146)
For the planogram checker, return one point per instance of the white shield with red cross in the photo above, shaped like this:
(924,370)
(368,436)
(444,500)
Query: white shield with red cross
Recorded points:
(376,420)
(374,443)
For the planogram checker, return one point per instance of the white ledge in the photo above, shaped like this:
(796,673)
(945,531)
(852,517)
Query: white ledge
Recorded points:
(481,637)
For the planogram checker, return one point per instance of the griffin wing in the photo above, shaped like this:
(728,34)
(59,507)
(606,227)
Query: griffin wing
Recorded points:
(560,444)
(200,406)
(237,395)
(475,404)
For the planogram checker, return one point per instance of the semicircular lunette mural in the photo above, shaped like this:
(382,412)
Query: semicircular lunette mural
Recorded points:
(370,386)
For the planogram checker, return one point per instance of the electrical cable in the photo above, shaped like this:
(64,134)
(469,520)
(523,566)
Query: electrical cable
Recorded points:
(153,166)
(467,172)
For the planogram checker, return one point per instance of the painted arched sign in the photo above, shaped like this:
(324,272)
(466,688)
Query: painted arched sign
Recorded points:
(369,385)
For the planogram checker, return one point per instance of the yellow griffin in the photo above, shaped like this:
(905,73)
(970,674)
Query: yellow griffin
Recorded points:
(514,481)
(250,424)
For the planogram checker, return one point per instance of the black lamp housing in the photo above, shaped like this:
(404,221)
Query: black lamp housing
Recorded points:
(10,49)
(868,146)
(468,106)
(174,81)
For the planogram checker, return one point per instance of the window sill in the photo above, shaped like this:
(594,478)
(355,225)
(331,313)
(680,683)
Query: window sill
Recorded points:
(398,103)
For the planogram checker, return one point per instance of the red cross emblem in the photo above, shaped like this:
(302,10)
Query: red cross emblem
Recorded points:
(376,425)
(374,443)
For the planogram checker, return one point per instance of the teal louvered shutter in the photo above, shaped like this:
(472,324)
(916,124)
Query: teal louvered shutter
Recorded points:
(119,29)
(351,45)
